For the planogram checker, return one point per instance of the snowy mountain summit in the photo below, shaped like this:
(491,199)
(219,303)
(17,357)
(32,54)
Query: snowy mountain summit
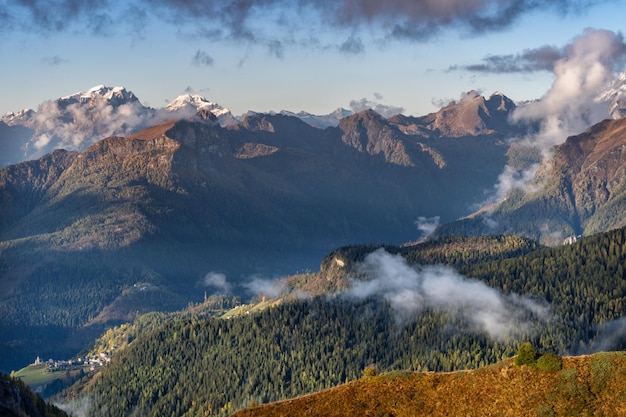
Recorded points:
(115,96)
(615,97)
(190,104)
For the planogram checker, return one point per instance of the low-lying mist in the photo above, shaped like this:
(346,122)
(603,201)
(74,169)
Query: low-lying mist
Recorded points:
(412,290)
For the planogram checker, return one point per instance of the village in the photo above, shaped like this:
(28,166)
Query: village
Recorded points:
(93,362)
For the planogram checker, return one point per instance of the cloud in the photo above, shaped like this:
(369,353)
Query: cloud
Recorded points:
(202,58)
(78,407)
(412,290)
(75,126)
(58,16)
(217,280)
(272,288)
(275,48)
(427,225)
(610,335)
(251,21)
(530,60)
(584,70)
(511,179)
(384,110)
(353,45)
(54,60)
(417,20)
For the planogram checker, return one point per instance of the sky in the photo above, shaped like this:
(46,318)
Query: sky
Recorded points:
(400,56)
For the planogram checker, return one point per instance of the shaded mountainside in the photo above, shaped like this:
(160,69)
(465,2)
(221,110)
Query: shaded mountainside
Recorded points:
(161,208)
(580,191)
(589,385)
(17,400)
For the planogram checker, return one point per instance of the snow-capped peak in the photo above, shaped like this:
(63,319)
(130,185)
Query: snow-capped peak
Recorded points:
(615,97)
(195,102)
(115,96)
(21,116)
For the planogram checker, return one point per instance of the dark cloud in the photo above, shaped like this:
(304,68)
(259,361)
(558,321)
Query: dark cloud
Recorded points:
(530,60)
(352,45)
(275,48)
(239,19)
(55,15)
(53,60)
(189,90)
(201,58)
(101,24)
(422,19)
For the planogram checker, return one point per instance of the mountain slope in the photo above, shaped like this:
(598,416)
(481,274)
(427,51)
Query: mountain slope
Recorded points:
(590,385)
(17,400)
(581,190)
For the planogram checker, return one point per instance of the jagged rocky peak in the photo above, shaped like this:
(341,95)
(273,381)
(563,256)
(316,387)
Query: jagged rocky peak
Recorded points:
(498,102)
(207,115)
(473,115)
(368,115)
(257,122)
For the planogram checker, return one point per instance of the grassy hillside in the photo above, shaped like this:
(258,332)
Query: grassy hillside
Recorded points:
(588,385)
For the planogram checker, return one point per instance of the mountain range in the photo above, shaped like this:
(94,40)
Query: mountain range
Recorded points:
(79,120)
(148,209)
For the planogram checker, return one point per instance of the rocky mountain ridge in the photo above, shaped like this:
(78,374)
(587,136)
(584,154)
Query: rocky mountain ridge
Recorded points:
(581,190)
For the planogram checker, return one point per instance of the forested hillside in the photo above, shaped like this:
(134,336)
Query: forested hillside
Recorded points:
(17,400)
(192,365)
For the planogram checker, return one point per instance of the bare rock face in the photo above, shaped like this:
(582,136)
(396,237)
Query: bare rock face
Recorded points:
(369,132)
(474,115)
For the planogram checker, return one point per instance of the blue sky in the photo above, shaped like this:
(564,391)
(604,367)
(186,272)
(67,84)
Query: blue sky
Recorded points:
(410,56)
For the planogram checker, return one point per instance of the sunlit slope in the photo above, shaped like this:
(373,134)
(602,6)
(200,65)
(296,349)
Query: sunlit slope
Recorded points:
(589,385)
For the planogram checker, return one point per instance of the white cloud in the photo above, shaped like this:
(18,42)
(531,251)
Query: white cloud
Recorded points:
(272,288)
(411,290)
(217,280)
(427,225)
(587,67)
